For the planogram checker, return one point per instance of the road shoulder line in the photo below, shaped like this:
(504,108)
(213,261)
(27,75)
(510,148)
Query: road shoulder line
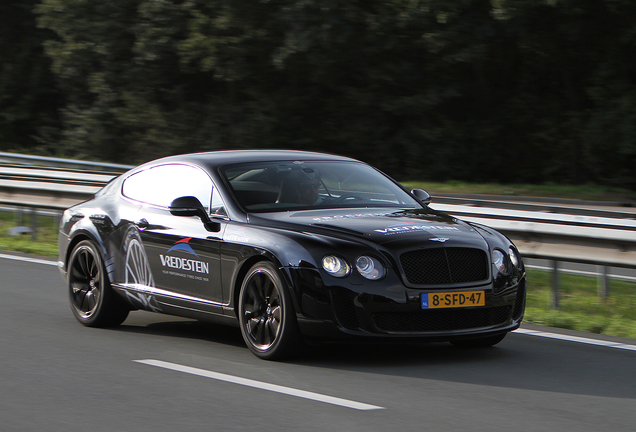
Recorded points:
(578,339)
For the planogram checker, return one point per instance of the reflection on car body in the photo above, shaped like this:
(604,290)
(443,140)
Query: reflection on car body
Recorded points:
(287,245)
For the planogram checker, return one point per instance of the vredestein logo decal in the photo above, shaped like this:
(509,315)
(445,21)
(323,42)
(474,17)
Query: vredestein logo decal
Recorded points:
(183,245)
(178,263)
(410,227)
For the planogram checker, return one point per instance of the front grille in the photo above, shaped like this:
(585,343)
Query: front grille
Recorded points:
(443,266)
(344,309)
(433,320)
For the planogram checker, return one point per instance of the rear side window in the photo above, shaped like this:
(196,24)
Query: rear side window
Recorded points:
(160,185)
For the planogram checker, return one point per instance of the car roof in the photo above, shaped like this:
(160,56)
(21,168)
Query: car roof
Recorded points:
(215,159)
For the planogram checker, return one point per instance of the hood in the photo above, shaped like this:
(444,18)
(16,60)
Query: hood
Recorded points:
(382,226)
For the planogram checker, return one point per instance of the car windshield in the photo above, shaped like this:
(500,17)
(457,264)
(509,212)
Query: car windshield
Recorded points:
(284,186)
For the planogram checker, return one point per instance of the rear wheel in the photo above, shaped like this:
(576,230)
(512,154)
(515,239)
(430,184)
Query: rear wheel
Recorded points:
(266,314)
(481,342)
(92,300)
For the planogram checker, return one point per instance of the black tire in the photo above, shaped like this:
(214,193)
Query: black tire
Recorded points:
(266,314)
(92,299)
(482,342)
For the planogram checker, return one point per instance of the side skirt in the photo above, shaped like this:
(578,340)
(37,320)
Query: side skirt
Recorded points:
(167,302)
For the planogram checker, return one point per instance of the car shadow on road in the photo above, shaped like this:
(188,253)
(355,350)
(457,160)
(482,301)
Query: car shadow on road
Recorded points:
(171,326)
(519,361)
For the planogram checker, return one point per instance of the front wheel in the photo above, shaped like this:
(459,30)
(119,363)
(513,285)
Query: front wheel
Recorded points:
(266,314)
(481,342)
(92,300)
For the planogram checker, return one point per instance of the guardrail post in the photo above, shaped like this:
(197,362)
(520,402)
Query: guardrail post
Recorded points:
(19,216)
(603,287)
(34,223)
(555,284)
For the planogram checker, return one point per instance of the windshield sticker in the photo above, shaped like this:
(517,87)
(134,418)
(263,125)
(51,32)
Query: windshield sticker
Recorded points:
(410,227)
(350,216)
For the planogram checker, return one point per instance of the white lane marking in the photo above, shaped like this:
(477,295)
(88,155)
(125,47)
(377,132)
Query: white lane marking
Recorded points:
(27,259)
(261,385)
(588,341)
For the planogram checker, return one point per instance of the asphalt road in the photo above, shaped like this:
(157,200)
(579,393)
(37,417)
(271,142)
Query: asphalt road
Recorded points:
(56,375)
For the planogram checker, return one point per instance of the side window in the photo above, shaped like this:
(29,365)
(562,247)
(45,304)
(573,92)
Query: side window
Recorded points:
(160,185)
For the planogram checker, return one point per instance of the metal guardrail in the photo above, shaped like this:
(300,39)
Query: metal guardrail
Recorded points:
(45,161)
(51,183)
(602,234)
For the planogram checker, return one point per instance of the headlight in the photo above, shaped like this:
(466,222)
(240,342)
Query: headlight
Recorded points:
(370,268)
(514,257)
(335,266)
(499,260)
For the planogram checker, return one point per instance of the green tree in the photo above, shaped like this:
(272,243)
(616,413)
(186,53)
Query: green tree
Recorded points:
(505,90)
(29,100)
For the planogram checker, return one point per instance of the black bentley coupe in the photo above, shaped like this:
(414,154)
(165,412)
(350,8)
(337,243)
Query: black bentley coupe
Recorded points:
(287,245)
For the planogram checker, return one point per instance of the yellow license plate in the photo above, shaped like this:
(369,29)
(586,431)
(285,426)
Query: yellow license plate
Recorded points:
(453,299)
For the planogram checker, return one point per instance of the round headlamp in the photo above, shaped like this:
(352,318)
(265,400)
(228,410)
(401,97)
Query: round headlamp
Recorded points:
(514,257)
(370,268)
(335,266)
(499,261)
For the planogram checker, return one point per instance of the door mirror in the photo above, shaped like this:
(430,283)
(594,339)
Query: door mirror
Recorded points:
(191,206)
(422,195)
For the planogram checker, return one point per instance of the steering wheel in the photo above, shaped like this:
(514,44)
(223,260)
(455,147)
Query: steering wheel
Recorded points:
(344,198)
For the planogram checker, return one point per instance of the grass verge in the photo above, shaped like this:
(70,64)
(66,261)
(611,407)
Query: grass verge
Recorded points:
(580,308)
(45,243)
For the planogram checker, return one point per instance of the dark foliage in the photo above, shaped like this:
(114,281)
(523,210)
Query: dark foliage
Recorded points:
(477,90)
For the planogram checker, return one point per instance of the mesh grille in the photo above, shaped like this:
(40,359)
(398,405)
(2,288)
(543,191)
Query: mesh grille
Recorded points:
(441,319)
(344,309)
(442,266)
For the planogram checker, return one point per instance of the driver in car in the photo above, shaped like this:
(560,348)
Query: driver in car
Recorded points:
(301,187)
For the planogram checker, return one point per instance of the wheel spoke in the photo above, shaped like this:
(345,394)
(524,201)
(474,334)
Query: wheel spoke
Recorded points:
(85,264)
(259,335)
(274,299)
(94,270)
(273,326)
(78,273)
(257,284)
(79,299)
(255,294)
(252,325)
(79,286)
(89,302)
(277,314)
(268,286)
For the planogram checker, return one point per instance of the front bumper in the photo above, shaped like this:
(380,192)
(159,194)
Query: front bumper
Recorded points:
(387,309)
